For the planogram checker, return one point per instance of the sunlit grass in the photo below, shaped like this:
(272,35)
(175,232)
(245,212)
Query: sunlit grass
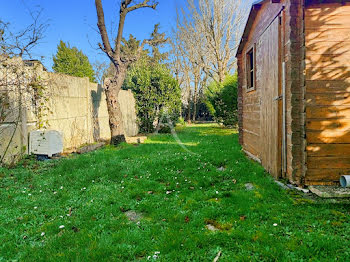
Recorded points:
(178,191)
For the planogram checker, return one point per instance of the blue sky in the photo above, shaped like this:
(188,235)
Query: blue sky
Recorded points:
(74,21)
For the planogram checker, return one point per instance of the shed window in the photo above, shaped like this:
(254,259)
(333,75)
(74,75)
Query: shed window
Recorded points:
(250,60)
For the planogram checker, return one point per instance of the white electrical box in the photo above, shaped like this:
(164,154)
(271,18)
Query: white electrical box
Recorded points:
(45,142)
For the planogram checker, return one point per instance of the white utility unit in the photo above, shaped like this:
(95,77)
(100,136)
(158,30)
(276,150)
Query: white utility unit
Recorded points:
(45,142)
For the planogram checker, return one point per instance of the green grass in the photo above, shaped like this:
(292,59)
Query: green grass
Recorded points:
(100,186)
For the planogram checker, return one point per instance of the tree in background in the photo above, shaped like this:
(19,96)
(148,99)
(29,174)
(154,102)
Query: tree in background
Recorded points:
(216,26)
(100,69)
(181,69)
(187,58)
(121,60)
(222,100)
(204,42)
(156,91)
(71,61)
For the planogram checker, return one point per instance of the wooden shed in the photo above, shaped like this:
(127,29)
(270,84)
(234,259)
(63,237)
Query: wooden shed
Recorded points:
(294,89)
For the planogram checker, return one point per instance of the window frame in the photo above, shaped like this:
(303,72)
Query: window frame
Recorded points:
(250,85)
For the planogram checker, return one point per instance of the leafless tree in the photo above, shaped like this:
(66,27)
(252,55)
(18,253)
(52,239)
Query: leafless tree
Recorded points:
(21,43)
(181,69)
(20,85)
(100,69)
(121,60)
(215,27)
(187,56)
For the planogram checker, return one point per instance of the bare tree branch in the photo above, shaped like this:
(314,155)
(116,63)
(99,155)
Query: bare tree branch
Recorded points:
(21,43)
(213,23)
(121,60)
(125,8)
(103,31)
(142,5)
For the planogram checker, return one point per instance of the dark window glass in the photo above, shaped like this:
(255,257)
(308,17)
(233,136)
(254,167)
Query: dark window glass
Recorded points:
(250,69)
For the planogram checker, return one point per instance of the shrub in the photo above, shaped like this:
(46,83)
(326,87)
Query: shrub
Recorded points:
(181,121)
(222,101)
(164,129)
(157,94)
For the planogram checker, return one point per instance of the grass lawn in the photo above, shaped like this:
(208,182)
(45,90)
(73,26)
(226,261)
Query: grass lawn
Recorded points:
(174,193)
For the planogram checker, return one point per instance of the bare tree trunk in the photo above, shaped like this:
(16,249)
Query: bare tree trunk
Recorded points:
(121,60)
(112,89)
(194,116)
(221,72)
(189,107)
(195,95)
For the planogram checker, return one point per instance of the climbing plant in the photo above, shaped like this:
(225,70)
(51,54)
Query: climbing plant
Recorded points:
(20,86)
(22,90)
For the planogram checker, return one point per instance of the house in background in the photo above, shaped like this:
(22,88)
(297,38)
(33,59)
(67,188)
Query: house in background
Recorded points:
(294,89)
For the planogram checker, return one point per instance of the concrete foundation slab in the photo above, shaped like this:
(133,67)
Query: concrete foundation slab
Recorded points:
(136,139)
(330,191)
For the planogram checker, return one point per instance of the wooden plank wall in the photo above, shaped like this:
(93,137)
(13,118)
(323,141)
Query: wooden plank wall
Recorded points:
(251,101)
(327,40)
(268,80)
(295,120)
